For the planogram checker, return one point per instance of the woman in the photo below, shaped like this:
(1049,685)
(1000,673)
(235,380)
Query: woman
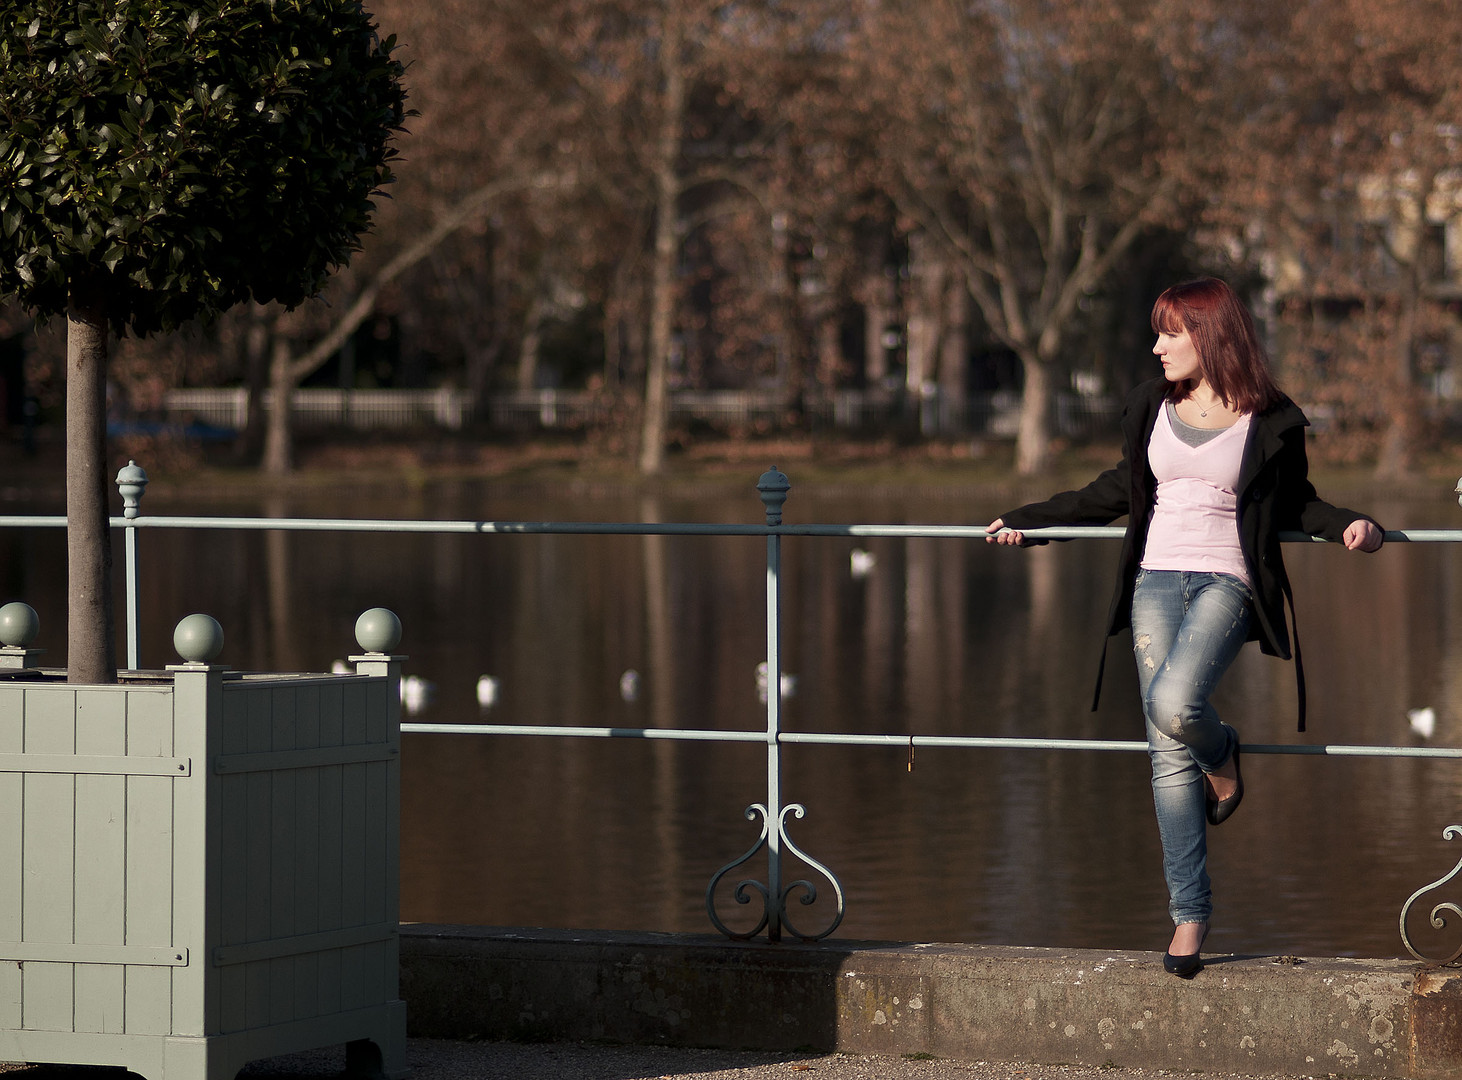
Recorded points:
(1213,468)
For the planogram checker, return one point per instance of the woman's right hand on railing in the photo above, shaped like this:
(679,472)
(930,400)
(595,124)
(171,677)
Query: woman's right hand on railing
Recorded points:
(997,533)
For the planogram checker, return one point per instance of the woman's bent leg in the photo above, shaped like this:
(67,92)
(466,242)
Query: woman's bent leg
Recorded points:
(1187,629)
(1177,795)
(1212,628)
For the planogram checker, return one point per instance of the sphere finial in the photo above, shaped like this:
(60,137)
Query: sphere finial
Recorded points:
(378,630)
(19,624)
(198,638)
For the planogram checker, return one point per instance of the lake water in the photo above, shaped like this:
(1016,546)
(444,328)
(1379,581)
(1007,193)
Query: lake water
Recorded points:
(939,637)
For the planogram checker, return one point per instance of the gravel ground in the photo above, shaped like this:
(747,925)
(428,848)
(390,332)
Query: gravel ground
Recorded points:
(432,1059)
(446,1060)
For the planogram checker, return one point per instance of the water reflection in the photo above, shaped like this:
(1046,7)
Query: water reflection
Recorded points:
(938,636)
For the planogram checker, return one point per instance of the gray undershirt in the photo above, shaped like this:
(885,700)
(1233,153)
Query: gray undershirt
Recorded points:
(1193,436)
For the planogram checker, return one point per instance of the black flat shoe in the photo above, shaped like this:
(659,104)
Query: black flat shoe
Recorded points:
(1220,810)
(1188,964)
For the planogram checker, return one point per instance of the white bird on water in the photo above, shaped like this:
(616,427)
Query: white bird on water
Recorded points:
(787,684)
(416,693)
(1423,721)
(487,690)
(861,563)
(629,685)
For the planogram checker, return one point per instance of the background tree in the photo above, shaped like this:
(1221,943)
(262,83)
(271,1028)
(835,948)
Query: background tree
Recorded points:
(1354,165)
(664,145)
(287,369)
(452,259)
(162,162)
(813,197)
(1032,142)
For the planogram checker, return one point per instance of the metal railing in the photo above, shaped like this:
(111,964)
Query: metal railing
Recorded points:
(774,814)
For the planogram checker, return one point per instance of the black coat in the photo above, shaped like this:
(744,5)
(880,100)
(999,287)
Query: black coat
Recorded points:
(1274,494)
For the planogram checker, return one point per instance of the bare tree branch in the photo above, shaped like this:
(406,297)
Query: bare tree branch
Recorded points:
(456,217)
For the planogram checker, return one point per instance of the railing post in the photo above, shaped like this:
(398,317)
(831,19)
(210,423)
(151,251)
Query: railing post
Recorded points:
(773,487)
(132,482)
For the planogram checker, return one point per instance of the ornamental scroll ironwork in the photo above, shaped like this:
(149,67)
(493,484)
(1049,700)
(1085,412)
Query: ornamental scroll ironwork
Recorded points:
(1438,915)
(774,909)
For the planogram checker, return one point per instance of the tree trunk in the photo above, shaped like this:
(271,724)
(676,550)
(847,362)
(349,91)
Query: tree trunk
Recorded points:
(878,311)
(91,650)
(655,423)
(954,344)
(482,356)
(1394,456)
(256,379)
(1033,442)
(624,322)
(924,321)
(278,438)
(529,348)
(830,361)
(481,361)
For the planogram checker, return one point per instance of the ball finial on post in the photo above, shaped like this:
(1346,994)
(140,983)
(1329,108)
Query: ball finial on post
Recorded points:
(19,625)
(378,630)
(198,638)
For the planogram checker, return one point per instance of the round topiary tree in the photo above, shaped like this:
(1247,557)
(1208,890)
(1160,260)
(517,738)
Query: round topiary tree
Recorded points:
(162,160)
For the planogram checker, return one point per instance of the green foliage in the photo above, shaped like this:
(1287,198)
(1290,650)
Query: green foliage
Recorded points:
(176,157)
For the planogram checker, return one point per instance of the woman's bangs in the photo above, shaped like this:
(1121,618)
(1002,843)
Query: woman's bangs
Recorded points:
(1166,318)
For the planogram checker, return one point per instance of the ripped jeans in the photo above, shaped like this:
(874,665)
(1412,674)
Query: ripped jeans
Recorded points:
(1187,627)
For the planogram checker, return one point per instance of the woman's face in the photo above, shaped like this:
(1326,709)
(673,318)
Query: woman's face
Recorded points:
(1179,357)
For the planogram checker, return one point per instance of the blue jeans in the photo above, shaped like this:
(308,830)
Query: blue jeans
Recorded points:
(1186,630)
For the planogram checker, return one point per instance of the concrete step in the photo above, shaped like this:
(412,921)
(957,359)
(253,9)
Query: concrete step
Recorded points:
(1240,1014)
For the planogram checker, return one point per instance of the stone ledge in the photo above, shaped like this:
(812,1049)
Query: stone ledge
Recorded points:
(1243,1014)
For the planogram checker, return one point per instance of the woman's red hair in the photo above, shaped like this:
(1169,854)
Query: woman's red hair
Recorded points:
(1230,354)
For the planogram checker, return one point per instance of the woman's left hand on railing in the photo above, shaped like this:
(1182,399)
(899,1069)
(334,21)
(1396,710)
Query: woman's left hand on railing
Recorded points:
(1363,534)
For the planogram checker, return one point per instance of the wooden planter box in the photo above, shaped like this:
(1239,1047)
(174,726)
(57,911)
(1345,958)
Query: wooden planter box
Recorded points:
(199,869)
